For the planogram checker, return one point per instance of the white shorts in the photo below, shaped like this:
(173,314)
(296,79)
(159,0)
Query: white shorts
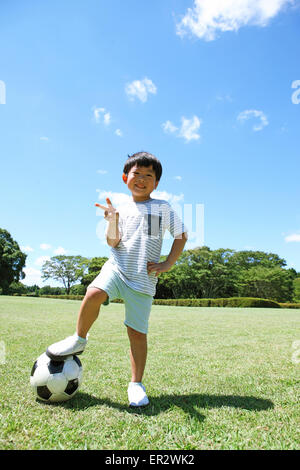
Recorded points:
(137,304)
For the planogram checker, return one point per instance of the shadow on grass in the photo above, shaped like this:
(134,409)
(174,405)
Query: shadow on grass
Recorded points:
(190,404)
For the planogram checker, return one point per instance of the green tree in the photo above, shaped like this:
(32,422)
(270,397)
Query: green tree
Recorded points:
(199,273)
(16,288)
(205,273)
(296,284)
(166,283)
(93,269)
(78,289)
(266,283)
(246,259)
(12,261)
(49,290)
(65,269)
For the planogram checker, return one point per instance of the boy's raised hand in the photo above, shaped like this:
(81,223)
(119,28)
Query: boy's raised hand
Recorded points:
(110,213)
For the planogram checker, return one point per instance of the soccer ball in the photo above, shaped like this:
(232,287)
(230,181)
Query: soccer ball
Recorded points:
(56,381)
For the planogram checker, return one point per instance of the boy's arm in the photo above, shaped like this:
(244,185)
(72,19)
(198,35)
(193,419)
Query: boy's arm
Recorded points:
(112,233)
(176,250)
(112,216)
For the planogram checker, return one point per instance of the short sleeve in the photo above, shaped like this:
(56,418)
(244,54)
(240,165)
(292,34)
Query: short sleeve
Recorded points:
(173,222)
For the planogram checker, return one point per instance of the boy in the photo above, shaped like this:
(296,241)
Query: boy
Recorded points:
(135,234)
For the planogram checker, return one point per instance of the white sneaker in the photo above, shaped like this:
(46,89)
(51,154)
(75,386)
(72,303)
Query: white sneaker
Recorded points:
(68,346)
(137,394)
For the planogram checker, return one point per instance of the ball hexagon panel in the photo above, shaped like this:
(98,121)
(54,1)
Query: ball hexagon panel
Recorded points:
(71,369)
(43,392)
(56,381)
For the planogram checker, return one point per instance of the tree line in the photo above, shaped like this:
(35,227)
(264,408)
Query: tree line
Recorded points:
(198,273)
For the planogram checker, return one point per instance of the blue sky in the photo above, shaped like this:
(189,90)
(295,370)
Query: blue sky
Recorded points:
(204,85)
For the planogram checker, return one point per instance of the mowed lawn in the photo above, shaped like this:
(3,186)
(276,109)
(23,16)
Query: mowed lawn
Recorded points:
(217,378)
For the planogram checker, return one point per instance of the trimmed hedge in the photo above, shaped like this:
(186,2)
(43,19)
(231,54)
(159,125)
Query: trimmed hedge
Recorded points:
(243,302)
(223,302)
(289,305)
(64,296)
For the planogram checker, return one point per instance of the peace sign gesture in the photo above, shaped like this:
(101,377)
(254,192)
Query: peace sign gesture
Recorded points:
(110,213)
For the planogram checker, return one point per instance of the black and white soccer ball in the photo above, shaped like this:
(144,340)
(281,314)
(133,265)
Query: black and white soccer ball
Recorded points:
(56,381)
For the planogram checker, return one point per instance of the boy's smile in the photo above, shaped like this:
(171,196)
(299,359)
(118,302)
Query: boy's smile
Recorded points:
(141,181)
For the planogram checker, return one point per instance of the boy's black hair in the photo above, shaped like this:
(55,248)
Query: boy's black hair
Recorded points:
(143,159)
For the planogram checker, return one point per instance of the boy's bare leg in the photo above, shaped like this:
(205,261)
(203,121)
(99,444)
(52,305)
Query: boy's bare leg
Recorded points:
(89,310)
(138,353)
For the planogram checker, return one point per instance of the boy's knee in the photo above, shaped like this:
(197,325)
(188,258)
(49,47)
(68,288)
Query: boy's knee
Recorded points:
(134,334)
(96,295)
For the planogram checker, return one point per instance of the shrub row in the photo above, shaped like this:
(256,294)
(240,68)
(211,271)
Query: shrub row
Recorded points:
(289,305)
(223,302)
(63,296)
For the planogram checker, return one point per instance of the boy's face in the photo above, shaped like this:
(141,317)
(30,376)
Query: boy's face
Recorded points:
(141,181)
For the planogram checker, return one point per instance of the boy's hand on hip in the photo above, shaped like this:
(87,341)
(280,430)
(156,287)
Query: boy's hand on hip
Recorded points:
(158,267)
(110,212)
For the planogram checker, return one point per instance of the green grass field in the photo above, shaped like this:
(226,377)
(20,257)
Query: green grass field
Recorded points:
(217,378)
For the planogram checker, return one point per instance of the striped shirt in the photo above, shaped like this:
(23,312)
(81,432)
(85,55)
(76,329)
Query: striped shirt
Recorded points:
(142,226)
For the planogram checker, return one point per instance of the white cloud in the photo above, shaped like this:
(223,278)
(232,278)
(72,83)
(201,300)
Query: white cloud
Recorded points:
(41,260)
(188,130)
(140,89)
(168,126)
(254,113)
(97,113)
(27,249)
(207,18)
(102,172)
(32,276)
(179,178)
(171,198)
(59,251)
(45,246)
(46,139)
(116,198)
(295,237)
(100,114)
(106,119)
(226,98)
(118,132)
